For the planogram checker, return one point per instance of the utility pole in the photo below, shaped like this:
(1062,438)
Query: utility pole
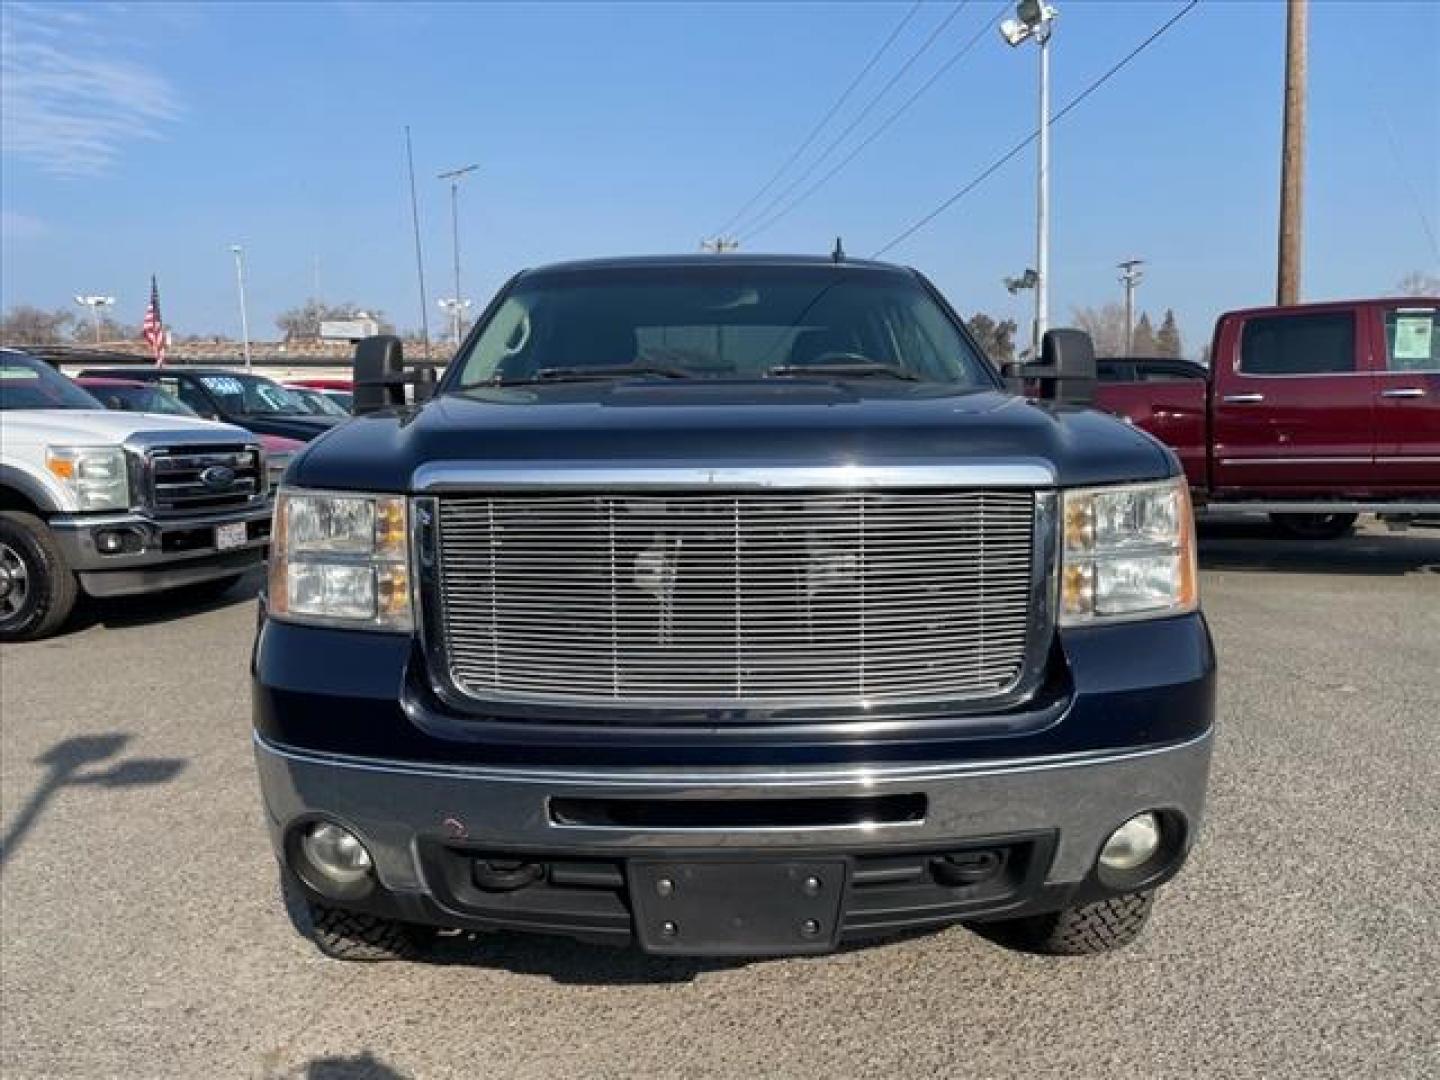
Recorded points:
(239,253)
(1130,276)
(720,245)
(454,176)
(1292,159)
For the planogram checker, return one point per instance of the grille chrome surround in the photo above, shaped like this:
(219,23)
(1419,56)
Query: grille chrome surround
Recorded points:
(172,479)
(755,600)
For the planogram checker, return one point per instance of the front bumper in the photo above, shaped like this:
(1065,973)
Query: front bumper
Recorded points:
(435,831)
(161,553)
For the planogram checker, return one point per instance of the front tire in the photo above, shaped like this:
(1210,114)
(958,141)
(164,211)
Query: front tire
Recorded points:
(355,935)
(1084,930)
(1315,526)
(37,588)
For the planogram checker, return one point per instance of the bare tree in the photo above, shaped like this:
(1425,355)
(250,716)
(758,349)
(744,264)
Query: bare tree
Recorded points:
(26,325)
(304,321)
(83,330)
(1105,325)
(1419,283)
(997,338)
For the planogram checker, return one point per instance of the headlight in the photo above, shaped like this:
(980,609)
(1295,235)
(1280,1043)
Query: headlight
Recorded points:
(340,559)
(1129,553)
(95,474)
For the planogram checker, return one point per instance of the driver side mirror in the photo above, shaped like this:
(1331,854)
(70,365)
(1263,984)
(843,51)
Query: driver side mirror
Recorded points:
(1066,371)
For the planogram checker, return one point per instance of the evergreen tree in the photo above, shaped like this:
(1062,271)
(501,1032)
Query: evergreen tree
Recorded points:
(1167,341)
(1143,343)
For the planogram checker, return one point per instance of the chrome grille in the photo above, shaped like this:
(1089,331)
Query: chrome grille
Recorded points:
(176,478)
(754,599)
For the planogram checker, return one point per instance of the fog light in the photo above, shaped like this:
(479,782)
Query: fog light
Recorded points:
(1132,844)
(336,852)
(109,542)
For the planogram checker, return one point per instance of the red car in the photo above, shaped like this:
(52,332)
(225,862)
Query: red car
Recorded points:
(1314,413)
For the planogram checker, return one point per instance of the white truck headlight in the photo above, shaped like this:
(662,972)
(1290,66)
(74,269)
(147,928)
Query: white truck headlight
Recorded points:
(96,475)
(340,558)
(1128,553)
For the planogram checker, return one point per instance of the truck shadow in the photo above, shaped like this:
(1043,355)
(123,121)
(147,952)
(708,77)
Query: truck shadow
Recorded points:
(69,764)
(1254,546)
(127,611)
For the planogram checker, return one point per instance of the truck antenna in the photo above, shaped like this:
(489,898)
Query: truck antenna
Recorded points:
(838,255)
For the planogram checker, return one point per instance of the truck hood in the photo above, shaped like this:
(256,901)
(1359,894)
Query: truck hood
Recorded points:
(795,424)
(104,427)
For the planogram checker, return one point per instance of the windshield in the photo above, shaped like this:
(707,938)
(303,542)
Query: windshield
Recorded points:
(252,395)
(722,322)
(147,399)
(27,383)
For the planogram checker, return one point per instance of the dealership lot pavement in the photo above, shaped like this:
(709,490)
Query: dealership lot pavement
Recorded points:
(142,935)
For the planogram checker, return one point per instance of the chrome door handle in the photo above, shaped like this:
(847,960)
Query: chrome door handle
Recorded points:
(1244,399)
(1404,392)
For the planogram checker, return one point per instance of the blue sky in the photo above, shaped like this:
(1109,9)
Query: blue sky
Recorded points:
(149,137)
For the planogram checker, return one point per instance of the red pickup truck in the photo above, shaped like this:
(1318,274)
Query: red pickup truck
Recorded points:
(1314,413)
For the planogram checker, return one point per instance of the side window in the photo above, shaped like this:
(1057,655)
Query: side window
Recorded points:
(190,394)
(1412,340)
(1322,344)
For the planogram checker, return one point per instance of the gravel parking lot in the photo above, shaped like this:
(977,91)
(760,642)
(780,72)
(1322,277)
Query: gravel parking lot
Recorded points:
(142,934)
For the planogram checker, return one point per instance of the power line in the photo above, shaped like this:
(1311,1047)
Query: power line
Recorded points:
(884,124)
(999,162)
(815,131)
(860,117)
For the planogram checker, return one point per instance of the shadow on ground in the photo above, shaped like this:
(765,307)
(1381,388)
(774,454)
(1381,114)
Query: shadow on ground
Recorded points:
(68,764)
(1254,545)
(123,611)
(362,1066)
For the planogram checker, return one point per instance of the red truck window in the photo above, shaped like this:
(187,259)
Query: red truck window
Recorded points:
(1318,344)
(1412,340)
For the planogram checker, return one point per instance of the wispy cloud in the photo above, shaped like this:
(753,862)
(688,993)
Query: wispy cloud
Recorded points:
(71,105)
(17,226)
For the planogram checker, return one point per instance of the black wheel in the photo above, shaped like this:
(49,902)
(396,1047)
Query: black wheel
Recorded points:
(1084,930)
(354,935)
(37,589)
(1315,526)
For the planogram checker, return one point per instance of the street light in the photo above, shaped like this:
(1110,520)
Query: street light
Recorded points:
(454,176)
(95,303)
(239,253)
(1033,20)
(456,308)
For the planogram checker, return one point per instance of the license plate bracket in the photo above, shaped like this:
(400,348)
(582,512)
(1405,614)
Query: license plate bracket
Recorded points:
(731,907)
(230,536)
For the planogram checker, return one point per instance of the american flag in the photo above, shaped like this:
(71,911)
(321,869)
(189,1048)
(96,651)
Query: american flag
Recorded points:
(153,326)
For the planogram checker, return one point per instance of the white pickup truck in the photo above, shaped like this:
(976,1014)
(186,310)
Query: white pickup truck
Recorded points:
(115,503)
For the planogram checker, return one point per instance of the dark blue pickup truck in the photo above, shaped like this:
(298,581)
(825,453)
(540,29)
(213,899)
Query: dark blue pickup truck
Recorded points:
(730,606)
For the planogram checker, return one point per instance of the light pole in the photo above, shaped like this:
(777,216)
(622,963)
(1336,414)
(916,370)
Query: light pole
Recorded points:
(1130,277)
(239,253)
(95,303)
(455,307)
(454,176)
(1033,20)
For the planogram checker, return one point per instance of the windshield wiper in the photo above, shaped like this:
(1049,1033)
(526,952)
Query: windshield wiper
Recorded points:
(592,373)
(847,369)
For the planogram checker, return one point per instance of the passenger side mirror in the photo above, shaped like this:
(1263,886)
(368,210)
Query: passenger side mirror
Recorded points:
(379,374)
